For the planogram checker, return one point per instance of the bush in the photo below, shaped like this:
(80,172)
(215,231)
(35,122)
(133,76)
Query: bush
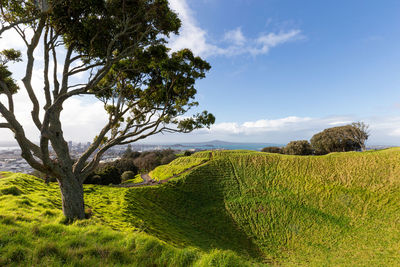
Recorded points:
(109,175)
(123,165)
(300,147)
(187,153)
(127,175)
(272,149)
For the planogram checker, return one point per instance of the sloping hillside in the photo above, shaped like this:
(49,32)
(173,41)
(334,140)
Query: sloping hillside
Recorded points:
(32,232)
(341,209)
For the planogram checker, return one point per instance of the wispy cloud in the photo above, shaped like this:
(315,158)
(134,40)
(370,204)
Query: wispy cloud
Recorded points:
(267,41)
(282,130)
(233,43)
(235,37)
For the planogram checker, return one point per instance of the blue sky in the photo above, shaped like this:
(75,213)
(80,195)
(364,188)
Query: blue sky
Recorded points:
(342,65)
(347,62)
(281,70)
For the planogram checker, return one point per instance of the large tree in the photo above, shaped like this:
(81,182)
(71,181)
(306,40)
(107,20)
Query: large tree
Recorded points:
(341,138)
(119,47)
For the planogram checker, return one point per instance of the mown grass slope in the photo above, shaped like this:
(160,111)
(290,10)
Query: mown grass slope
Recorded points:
(338,209)
(179,165)
(341,209)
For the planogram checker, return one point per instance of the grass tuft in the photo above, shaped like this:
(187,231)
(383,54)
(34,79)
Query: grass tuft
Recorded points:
(12,190)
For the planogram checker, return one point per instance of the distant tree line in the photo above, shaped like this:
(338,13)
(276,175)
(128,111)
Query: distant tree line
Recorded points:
(351,137)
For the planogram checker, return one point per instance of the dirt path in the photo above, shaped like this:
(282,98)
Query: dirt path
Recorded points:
(146,178)
(148,181)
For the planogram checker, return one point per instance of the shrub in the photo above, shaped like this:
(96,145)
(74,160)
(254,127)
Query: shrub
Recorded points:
(127,176)
(300,147)
(187,153)
(109,175)
(124,164)
(272,149)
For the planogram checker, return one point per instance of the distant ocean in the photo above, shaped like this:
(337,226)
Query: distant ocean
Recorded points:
(227,146)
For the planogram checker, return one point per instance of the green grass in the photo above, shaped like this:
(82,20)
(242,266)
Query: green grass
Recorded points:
(178,166)
(138,179)
(338,210)
(241,208)
(32,232)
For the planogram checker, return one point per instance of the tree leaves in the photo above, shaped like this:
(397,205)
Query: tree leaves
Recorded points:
(340,139)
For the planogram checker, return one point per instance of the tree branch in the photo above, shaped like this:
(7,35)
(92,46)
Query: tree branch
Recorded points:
(28,75)
(5,125)
(46,69)
(56,87)
(14,24)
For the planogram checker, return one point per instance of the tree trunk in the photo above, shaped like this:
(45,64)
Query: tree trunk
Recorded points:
(72,198)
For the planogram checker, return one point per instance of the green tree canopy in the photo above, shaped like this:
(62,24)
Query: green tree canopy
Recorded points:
(120,48)
(340,139)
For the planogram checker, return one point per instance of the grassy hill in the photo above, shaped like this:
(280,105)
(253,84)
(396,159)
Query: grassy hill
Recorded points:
(240,208)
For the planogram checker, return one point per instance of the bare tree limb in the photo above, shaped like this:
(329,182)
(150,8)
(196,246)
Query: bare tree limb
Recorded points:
(29,69)
(5,125)
(14,24)
(56,87)
(46,69)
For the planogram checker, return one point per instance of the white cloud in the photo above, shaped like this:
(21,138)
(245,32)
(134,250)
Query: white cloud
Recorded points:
(235,36)
(236,43)
(82,117)
(11,39)
(191,36)
(83,120)
(271,125)
(291,123)
(267,41)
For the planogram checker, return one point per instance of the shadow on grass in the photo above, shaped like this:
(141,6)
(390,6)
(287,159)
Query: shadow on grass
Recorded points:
(189,212)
